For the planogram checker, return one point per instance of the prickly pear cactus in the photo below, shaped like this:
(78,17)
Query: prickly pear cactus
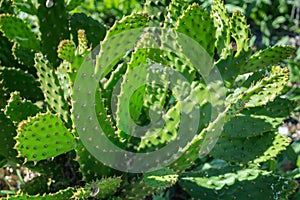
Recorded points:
(18,109)
(233,150)
(233,182)
(43,136)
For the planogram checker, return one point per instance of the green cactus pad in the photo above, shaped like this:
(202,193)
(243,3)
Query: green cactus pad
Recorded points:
(7,133)
(7,7)
(66,50)
(95,31)
(16,30)
(268,88)
(54,94)
(89,166)
(267,57)
(6,57)
(43,136)
(175,9)
(230,67)
(221,21)
(135,99)
(167,134)
(156,10)
(100,189)
(239,31)
(261,119)
(132,21)
(127,23)
(82,42)
(197,24)
(150,182)
(62,73)
(235,183)
(3,95)
(199,145)
(250,149)
(162,178)
(55,18)
(18,80)
(23,55)
(27,7)
(18,109)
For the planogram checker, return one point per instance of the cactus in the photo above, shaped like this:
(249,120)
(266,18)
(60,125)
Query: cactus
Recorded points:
(43,136)
(156,11)
(222,22)
(151,182)
(203,32)
(267,57)
(41,120)
(3,95)
(6,56)
(56,17)
(267,146)
(175,8)
(18,110)
(100,189)
(7,132)
(95,31)
(90,167)
(239,31)
(233,182)
(16,30)
(66,50)
(54,93)
(261,119)
(21,81)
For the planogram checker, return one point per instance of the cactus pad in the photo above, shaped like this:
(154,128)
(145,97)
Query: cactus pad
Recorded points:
(43,136)
(197,24)
(100,189)
(267,57)
(239,31)
(55,18)
(221,21)
(18,80)
(18,109)
(266,146)
(66,50)
(54,94)
(156,10)
(16,30)
(261,119)
(150,182)
(90,167)
(23,55)
(7,133)
(268,88)
(235,183)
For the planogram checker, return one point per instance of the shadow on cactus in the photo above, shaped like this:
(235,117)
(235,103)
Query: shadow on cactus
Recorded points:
(41,128)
